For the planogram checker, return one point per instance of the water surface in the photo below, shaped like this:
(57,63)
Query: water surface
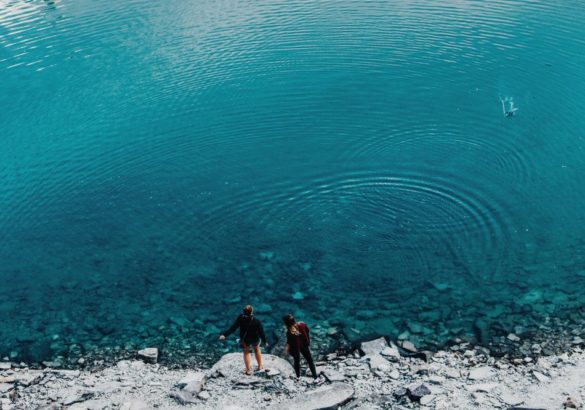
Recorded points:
(164,163)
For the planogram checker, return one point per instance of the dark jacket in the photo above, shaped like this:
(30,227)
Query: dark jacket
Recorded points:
(251,330)
(296,343)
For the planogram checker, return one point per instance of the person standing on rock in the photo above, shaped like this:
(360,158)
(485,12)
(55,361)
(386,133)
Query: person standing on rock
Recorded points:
(251,334)
(297,343)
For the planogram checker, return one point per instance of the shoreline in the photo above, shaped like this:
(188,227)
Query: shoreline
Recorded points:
(377,374)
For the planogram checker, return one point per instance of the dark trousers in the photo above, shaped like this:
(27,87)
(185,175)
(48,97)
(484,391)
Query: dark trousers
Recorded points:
(297,361)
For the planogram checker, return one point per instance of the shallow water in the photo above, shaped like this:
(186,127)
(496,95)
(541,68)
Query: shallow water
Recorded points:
(164,163)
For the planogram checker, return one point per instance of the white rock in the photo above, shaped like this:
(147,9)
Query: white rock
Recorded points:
(377,362)
(5,365)
(375,346)
(230,366)
(427,399)
(192,382)
(408,346)
(394,374)
(436,379)
(483,387)
(149,355)
(6,387)
(333,375)
(325,397)
(513,337)
(540,377)
(452,373)
(480,373)
(204,395)
(391,353)
(135,405)
(511,399)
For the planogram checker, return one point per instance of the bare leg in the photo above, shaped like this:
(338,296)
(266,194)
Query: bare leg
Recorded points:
(247,359)
(258,355)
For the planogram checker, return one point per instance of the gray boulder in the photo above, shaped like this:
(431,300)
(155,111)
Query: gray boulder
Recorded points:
(375,346)
(231,365)
(377,362)
(183,397)
(192,382)
(481,373)
(323,398)
(135,405)
(417,391)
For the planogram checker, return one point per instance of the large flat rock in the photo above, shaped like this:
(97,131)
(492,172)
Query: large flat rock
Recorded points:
(328,397)
(231,366)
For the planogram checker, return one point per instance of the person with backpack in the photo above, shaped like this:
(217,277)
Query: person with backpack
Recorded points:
(297,343)
(251,334)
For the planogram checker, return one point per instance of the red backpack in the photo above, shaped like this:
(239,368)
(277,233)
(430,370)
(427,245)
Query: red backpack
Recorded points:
(304,329)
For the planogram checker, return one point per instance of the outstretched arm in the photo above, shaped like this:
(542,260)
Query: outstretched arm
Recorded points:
(232,328)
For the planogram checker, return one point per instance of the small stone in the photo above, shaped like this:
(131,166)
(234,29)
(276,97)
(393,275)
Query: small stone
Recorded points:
(394,374)
(375,346)
(333,375)
(135,405)
(436,379)
(149,355)
(570,403)
(5,365)
(377,362)
(540,377)
(513,337)
(391,353)
(427,399)
(204,395)
(408,346)
(452,373)
(183,397)
(192,382)
(577,340)
(6,387)
(483,387)
(511,400)
(480,373)
(331,396)
(416,391)
(272,372)
(399,392)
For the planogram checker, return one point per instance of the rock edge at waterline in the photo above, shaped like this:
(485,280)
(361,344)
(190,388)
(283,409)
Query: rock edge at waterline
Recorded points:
(378,375)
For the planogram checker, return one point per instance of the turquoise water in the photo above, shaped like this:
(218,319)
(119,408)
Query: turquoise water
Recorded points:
(164,163)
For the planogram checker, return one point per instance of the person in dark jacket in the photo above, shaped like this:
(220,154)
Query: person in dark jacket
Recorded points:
(251,334)
(297,343)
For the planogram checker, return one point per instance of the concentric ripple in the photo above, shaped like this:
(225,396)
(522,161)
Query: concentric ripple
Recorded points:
(416,214)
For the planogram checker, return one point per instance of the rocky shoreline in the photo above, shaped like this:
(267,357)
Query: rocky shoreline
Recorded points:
(377,374)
